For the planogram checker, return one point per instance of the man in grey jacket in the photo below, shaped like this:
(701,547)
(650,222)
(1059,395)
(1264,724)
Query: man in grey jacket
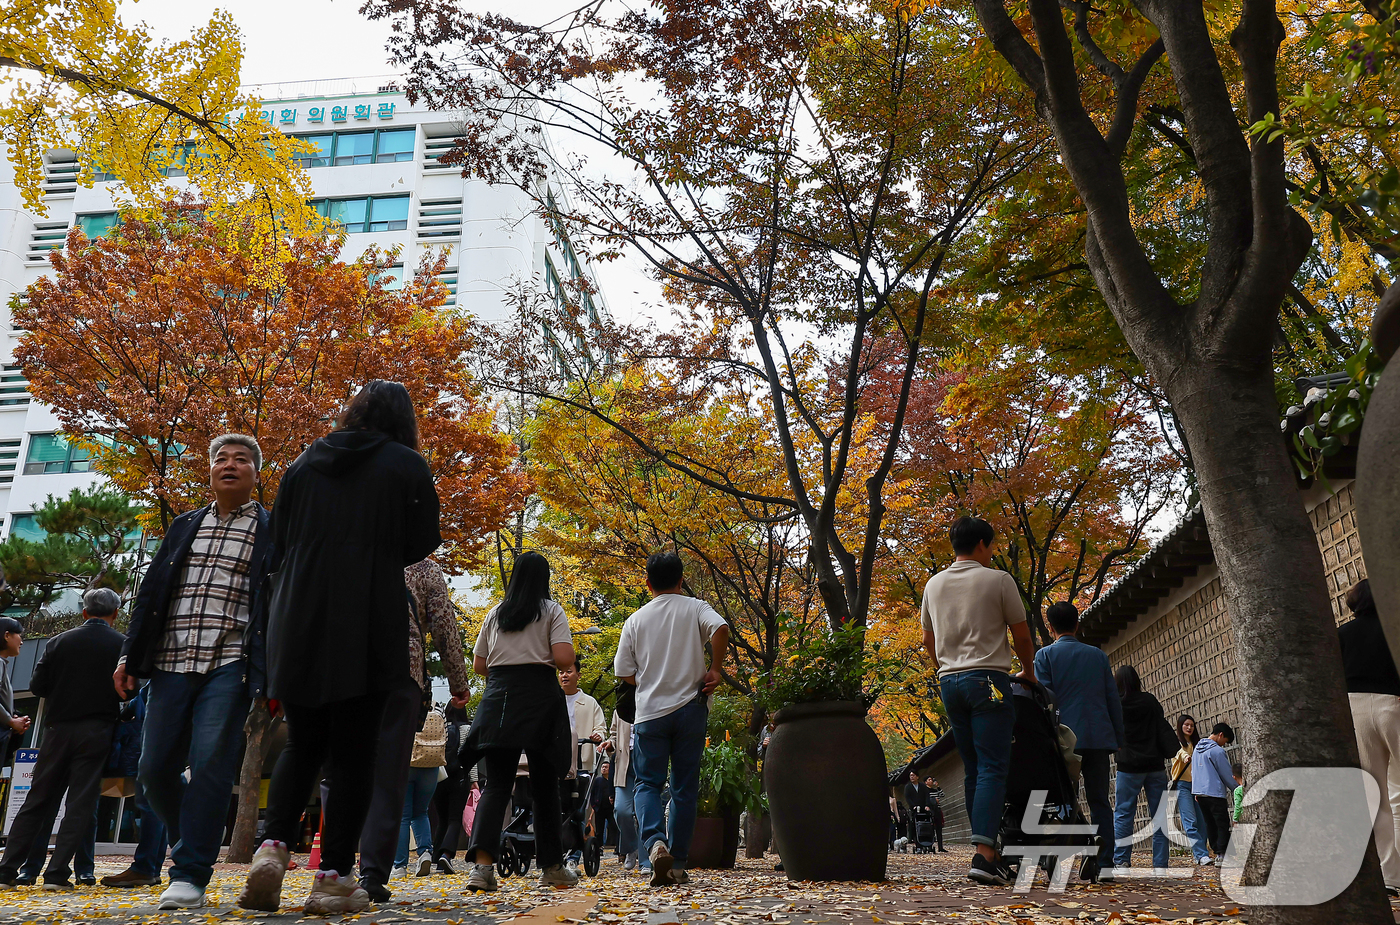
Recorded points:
(1078,676)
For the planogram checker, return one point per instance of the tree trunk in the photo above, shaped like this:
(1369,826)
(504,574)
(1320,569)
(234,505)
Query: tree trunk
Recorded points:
(245,827)
(1293,694)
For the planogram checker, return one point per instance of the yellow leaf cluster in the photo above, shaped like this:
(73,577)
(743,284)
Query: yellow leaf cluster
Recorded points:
(132,107)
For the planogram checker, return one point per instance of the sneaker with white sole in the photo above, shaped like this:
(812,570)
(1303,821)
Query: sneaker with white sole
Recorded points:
(661,861)
(398,873)
(631,862)
(444,866)
(263,889)
(181,894)
(331,895)
(482,878)
(425,865)
(558,875)
(989,873)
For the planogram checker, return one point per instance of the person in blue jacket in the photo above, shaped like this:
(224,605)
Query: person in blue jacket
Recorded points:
(1213,783)
(1080,679)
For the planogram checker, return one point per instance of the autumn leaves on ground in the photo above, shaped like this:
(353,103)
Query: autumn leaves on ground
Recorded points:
(928,888)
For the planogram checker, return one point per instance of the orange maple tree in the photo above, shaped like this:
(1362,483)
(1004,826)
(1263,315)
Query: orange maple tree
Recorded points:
(153,340)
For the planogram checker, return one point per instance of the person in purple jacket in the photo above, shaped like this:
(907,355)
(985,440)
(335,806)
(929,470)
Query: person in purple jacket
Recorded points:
(1213,785)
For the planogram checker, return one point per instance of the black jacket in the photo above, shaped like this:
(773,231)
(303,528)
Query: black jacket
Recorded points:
(522,707)
(352,512)
(1366,658)
(151,610)
(74,675)
(1149,737)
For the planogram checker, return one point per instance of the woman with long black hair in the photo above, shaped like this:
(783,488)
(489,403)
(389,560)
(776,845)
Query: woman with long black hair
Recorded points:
(523,643)
(1148,742)
(352,512)
(1188,735)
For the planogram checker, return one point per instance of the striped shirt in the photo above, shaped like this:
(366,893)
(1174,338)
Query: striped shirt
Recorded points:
(213,601)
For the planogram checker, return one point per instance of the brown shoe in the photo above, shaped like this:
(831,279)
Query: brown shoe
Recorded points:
(129,878)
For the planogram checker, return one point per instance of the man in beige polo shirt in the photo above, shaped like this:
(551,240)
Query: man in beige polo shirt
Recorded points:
(966,612)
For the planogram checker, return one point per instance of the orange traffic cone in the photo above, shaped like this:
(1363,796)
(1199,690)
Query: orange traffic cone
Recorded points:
(314,862)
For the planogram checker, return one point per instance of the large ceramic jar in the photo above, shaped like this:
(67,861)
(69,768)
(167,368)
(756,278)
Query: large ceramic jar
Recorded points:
(825,777)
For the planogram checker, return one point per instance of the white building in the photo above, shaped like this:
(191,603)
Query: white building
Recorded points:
(376,171)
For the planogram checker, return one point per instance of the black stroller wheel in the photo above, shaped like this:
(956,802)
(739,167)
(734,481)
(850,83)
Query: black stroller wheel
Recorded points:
(592,856)
(508,859)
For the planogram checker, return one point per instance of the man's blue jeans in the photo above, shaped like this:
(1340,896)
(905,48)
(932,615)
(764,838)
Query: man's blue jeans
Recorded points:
(1186,805)
(422,784)
(979,708)
(195,721)
(1126,790)
(673,742)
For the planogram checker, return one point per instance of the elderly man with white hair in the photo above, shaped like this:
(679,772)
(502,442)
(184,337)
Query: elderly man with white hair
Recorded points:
(198,630)
(79,716)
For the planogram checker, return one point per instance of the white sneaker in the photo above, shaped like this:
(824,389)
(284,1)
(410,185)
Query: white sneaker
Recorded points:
(661,861)
(181,894)
(263,889)
(558,875)
(398,873)
(331,895)
(483,878)
(572,865)
(425,864)
(631,862)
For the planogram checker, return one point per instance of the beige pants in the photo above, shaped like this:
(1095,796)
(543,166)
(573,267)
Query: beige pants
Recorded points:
(1377,720)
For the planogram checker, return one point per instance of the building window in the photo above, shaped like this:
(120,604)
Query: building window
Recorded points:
(14,388)
(343,149)
(52,453)
(395,146)
(368,213)
(357,148)
(26,527)
(96,224)
(391,276)
(321,157)
(180,159)
(9,458)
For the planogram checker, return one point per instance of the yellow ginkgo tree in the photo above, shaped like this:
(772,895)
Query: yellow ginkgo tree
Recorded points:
(77,78)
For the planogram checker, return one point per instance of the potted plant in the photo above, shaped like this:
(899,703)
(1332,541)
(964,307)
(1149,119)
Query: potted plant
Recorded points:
(728,787)
(824,772)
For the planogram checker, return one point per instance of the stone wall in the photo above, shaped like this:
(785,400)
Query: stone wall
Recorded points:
(1335,522)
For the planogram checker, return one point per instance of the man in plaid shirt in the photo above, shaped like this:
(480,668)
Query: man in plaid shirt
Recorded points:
(197,631)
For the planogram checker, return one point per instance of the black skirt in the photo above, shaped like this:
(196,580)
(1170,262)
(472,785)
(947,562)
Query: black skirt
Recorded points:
(523,707)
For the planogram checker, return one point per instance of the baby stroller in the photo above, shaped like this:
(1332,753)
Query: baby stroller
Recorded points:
(1037,763)
(580,828)
(518,837)
(518,849)
(925,835)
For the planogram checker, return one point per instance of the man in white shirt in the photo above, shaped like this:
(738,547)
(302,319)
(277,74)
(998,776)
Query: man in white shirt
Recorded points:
(966,611)
(662,652)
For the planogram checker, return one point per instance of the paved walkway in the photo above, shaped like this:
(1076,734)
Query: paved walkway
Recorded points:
(921,889)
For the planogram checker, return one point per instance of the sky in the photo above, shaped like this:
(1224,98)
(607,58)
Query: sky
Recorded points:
(286,40)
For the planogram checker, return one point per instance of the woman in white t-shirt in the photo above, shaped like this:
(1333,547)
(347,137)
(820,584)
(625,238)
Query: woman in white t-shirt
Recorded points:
(523,642)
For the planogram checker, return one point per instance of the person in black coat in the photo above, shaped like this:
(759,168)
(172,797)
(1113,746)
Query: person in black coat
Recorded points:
(351,513)
(450,798)
(1148,743)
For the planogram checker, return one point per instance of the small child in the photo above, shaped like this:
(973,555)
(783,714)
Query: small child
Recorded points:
(1238,771)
